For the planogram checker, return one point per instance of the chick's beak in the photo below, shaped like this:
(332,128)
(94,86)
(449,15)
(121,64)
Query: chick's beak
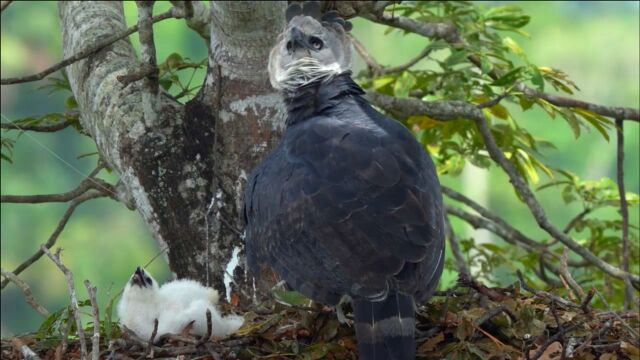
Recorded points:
(138,277)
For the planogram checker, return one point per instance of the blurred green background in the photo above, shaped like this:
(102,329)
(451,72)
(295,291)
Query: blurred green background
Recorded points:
(596,43)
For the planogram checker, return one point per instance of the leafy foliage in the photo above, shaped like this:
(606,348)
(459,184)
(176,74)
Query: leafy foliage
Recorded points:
(486,63)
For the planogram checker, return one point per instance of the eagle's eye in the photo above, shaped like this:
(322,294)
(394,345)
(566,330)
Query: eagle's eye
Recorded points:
(316,43)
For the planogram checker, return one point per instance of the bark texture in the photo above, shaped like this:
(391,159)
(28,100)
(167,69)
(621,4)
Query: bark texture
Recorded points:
(184,165)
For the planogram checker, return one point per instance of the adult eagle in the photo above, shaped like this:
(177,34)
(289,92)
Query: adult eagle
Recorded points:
(348,204)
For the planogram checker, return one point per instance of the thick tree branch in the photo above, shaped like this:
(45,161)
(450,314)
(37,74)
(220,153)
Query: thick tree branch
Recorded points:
(148,54)
(26,290)
(439,110)
(196,14)
(72,296)
(89,50)
(54,236)
(432,30)
(376,69)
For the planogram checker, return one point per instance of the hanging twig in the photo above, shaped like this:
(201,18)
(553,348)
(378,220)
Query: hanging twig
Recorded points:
(73,298)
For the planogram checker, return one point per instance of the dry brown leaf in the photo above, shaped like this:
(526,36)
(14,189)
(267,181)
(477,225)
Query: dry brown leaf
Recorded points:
(431,343)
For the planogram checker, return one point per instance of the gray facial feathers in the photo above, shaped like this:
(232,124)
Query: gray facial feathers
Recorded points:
(309,49)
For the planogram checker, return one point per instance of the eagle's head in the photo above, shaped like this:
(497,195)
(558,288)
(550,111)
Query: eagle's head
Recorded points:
(312,47)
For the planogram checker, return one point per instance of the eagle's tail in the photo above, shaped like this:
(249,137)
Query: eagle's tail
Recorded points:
(385,329)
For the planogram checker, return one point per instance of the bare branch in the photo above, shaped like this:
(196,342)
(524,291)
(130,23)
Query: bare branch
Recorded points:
(617,112)
(37,128)
(455,249)
(624,210)
(371,62)
(95,312)
(73,298)
(172,13)
(400,68)
(544,294)
(571,224)
(54,236)
(538,212)
(566,275)
(26,291)
(87,184)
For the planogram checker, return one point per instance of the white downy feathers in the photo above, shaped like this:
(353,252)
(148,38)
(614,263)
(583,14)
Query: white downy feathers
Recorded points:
(175,304)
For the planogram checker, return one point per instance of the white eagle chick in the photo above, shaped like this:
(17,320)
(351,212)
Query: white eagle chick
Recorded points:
(175,304)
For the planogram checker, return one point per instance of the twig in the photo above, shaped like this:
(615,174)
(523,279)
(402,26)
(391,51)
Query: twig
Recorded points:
(371,62)
(399,68)
(617,112)
(493,102)
(571,224)
(584,305)
(538,212)
(95,312)
(172,13)
(624,211)
(26,291)
(143,72)
(455,249)
(152,338)
(87,184)
(545,295)
(73,298)
(37,128)
(553,339)
(54,236)
(566,275)
(25,351)
(209,325)
(617,316)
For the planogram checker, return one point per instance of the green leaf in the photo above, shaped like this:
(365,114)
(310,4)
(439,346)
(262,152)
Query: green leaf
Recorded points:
(514,47)
(404,84)
(290,297)
(71,103)
(508,78)
(572,120)
(536,77)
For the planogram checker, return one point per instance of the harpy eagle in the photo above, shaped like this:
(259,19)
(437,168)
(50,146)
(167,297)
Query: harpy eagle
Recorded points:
(348,204)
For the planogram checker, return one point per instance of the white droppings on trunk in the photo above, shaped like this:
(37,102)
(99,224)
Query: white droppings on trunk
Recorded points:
(239,185)
(262,106)
(228,271)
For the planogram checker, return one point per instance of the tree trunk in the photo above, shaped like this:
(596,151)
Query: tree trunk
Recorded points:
(184,166)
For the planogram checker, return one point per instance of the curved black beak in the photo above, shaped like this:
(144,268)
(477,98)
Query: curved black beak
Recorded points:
(296,40)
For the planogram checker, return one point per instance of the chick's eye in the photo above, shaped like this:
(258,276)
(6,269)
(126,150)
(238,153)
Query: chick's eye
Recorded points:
(316,43)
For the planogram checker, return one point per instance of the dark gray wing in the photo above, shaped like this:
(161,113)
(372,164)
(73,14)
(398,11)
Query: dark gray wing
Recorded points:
(347,207)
